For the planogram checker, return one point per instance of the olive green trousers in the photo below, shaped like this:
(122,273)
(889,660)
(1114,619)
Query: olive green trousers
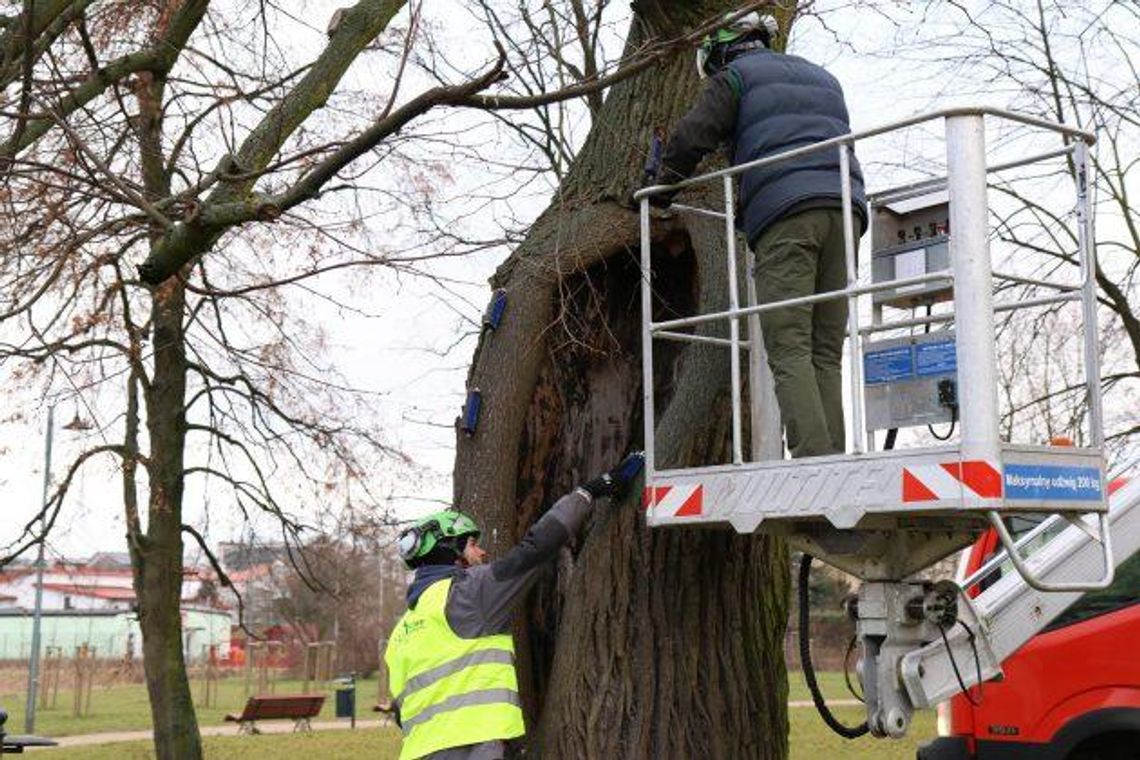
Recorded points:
(801,255)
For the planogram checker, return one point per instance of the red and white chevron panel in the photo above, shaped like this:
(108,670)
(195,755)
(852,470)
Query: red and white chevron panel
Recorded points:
(674,501)
(951,480)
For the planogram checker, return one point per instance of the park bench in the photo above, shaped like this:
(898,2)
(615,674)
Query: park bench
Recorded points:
(296,707)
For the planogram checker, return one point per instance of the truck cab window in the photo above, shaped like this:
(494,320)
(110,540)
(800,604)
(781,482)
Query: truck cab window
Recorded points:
(1124,591)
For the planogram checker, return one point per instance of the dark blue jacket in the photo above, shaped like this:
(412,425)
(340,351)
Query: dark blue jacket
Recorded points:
(787,102)
(762,104)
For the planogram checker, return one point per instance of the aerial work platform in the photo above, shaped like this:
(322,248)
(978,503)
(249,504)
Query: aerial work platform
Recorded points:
(931,246)
(883,489)
(923,349)
(935,491)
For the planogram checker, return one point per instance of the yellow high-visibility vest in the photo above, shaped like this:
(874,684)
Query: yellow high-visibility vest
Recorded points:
(450,691)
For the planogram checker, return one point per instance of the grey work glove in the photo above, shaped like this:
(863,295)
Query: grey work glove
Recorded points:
(616,481)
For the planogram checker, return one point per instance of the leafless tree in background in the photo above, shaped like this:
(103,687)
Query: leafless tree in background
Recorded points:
(361,596)
(1074,63)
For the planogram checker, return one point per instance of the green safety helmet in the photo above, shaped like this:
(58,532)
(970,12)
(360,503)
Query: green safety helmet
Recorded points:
(736,36)
(447,529)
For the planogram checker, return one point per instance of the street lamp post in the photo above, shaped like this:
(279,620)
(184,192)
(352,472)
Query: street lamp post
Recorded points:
(34,665)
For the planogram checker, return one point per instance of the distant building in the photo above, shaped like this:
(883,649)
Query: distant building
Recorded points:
(109,561)
(242,556)
(112,634)
(73,596)
(81,585)
(93,602)
(262,587)
(260,574)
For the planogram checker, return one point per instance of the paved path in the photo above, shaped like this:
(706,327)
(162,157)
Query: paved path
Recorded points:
(830,703)
(228,729)
(284,727)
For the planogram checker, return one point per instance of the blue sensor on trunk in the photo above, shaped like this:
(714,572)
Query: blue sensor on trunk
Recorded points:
(494,313)
(470,419)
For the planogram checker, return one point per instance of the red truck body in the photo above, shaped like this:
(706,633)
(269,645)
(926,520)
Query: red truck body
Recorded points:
(1071,693)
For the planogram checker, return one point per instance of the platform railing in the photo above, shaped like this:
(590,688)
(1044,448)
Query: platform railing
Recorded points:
(970,274)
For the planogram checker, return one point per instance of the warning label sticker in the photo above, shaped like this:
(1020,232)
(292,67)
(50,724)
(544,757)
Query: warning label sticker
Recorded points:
(924,358)
(888,365)
(1046,482)
(939,358)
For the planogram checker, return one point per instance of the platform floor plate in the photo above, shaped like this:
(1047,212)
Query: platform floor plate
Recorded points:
(917,487)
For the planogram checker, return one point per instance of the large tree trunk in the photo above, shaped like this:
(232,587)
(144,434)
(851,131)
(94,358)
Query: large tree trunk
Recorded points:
(651,644)
(158,558)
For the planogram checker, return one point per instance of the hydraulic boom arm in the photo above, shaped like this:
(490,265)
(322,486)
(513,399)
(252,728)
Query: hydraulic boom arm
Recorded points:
(1011,612)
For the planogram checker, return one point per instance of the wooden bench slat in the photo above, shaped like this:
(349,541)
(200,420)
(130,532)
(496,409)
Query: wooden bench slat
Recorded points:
(279,706)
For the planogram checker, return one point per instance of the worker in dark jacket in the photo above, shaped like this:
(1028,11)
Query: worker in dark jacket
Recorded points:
(760,103)
(451,656)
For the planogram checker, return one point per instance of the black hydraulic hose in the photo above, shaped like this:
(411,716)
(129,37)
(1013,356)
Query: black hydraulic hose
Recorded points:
(975,701)
(953,423)
(847,732)
(847,669)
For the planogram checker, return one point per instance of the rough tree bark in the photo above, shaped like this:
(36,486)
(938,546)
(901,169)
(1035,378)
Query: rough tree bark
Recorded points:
(651,644)
(157,554)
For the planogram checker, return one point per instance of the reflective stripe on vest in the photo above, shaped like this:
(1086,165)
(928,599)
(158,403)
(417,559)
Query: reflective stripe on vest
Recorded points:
(485,697)
(450,691)
(482,657)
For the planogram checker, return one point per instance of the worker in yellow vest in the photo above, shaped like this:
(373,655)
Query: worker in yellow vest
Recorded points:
(451,655)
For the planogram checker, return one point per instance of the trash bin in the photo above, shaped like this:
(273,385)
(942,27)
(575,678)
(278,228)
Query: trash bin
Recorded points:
(346,697)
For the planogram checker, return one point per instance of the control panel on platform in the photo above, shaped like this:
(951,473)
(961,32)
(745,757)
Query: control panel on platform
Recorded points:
(912,380)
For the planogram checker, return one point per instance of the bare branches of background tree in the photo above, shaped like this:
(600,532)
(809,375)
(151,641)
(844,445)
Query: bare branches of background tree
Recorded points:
(1074,64)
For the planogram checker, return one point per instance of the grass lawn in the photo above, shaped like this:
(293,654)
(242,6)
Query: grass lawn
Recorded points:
(831,684)
(125,707)
(810,740)
(373,743)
